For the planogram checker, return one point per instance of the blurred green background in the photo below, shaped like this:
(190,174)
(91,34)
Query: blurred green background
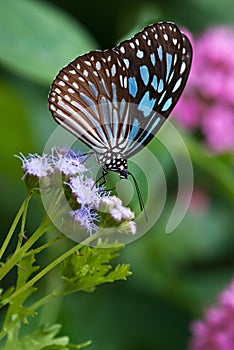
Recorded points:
(174,276)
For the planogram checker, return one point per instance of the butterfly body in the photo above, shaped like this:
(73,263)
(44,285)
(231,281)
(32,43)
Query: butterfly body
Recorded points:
(116,100)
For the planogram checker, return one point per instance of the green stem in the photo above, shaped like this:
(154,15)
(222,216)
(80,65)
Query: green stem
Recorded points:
(19,253)
(23,222)
(43,246)
(45,300)
(9,326)
(48,268)
(14,224)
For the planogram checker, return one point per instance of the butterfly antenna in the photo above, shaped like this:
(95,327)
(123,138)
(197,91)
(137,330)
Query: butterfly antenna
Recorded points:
(139,195)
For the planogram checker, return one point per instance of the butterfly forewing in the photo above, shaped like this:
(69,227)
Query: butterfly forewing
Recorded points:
(158,60)
(86,97)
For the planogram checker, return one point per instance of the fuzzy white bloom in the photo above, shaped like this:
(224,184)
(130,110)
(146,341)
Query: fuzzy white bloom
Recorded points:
(85,191)
(36,165)
(115,207)
(68,162)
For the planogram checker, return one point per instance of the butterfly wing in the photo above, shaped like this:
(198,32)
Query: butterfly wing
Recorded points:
(89,98)
(158,61)
(118,99)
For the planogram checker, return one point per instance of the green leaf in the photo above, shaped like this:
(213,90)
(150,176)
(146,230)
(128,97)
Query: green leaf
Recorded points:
(44,338)
(37,39)
(25,269)
(90,268)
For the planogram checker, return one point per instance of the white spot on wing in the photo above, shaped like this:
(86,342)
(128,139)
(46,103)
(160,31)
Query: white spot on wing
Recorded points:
(177,85)
(127,63)
(125,82)
(71,90)
(121,80)
(67,97)
(98,65)
(52,107)
(113,70)
(140,54)
(57,90)
(182,68)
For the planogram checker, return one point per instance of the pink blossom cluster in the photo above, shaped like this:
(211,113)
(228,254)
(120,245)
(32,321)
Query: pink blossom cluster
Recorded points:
(216,331)
(208,100)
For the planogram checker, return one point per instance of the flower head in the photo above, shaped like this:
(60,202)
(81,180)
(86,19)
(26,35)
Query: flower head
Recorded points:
(115,207)
(85,190)
(86,218)
(68,162)
(216,331)
(62,178)
(36,165)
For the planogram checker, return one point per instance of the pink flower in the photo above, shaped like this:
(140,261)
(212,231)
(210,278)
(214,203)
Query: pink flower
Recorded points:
(208,100)
(219,125)
(216,331)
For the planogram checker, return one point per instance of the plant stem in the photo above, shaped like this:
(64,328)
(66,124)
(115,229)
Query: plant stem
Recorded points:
(42,247)
(23,222)
(45,300)
(14,224)
(19,253)
(48,268)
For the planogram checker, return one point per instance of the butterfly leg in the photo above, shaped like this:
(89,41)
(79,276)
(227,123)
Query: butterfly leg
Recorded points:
(103,177)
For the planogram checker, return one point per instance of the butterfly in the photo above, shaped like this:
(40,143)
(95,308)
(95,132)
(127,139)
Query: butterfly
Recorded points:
(116,100)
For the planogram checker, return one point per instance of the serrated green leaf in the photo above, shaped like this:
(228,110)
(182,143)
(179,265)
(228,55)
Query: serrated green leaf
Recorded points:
(25,269)
(37,39)
(43,338)
(90,268)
